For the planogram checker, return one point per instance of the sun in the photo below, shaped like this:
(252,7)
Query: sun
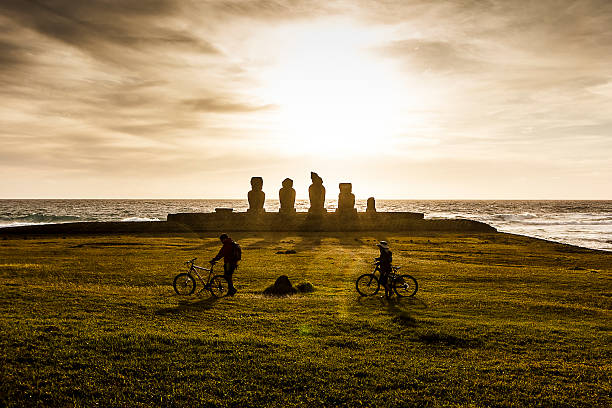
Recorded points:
(334,96)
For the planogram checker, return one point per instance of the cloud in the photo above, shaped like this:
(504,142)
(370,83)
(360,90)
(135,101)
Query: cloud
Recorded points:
(11,55)
(135,87)
(100,27)
(220,105)
(273,9)
(439,56)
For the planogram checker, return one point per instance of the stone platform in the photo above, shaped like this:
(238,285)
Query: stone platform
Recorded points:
(236,222)
(301,221)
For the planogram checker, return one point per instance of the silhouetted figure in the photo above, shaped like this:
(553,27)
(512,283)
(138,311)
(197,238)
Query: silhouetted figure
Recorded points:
(384,264)
(346,199)
(286,196)
(316,192)
(228,253)
(371,207)
(256,196)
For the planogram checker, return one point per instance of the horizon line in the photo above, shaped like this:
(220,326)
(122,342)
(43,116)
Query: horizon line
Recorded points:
(327,199)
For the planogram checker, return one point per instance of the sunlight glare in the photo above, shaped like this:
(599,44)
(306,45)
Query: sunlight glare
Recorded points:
(334,96)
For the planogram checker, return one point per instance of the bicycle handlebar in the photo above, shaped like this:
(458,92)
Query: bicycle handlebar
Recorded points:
(192,261)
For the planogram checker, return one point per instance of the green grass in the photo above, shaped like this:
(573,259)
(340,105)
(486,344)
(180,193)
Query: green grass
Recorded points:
(499,320)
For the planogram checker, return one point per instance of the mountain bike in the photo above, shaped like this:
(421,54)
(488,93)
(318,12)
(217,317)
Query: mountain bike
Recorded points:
(185,283)
(403,285)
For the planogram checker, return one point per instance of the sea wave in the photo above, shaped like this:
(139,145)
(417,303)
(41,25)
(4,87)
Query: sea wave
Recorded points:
(586,223)
(532,219)
(554,222)
(38,218)
(137,219)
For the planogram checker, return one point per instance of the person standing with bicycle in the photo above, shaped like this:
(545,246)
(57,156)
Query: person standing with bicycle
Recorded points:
(231,254)
(369,284)
(384,261)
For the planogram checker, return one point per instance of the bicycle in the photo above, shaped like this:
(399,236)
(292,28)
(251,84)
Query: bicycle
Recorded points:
(185,283)
(403,285)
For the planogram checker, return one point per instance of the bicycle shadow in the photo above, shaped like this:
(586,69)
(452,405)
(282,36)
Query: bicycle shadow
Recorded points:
(393,302)
(401,310)
(186,305)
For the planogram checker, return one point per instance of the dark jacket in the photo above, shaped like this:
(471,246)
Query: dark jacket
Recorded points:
(385,258)
(226,252)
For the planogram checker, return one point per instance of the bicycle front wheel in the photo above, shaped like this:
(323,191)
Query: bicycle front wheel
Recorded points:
(184,284)
(405,286)
(219,286)
(367,284)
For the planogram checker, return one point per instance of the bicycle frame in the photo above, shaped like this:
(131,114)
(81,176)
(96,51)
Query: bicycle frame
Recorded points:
(394,269)
(193,269)
(391,276)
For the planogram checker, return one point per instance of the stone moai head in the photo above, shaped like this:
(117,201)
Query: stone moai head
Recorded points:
(371,206)
(256,183)
(287,183)
(346,188)
(315,178)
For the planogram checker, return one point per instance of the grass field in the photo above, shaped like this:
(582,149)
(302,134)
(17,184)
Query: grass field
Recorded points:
(499,320)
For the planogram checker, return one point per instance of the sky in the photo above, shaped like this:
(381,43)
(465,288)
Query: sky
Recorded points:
(406,99)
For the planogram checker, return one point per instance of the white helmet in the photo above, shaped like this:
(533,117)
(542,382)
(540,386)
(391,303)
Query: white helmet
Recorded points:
(383,244)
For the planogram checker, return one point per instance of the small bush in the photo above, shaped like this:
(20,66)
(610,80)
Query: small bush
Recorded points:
(305,287)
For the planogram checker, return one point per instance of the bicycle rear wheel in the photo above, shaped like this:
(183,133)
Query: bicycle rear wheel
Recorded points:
(184,284)
(405,286)
(219,286)
(367,284)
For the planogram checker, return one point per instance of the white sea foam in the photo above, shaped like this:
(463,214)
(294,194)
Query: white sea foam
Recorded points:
(136,219)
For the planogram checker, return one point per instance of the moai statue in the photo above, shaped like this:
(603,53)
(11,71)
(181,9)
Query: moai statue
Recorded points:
(256,196)
(316,192)
(371,208)
(286,196)
(346,199)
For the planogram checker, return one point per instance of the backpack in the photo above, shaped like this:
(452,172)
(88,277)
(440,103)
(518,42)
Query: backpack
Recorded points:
(237,251)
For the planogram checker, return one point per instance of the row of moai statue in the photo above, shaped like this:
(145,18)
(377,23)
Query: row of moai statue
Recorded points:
(316,193)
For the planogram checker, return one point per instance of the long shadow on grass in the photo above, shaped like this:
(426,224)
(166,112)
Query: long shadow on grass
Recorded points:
(210,245)
(392,303)
(308,243)
(400,313)
(354,241)
(185,305)
(400,309)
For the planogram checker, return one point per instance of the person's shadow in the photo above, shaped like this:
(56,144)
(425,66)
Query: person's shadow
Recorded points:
(186,305)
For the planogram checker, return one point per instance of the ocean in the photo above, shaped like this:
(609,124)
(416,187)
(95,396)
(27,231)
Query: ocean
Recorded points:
(583,223)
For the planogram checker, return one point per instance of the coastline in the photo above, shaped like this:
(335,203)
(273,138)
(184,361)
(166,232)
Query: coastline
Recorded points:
(582,223)
(167,228)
